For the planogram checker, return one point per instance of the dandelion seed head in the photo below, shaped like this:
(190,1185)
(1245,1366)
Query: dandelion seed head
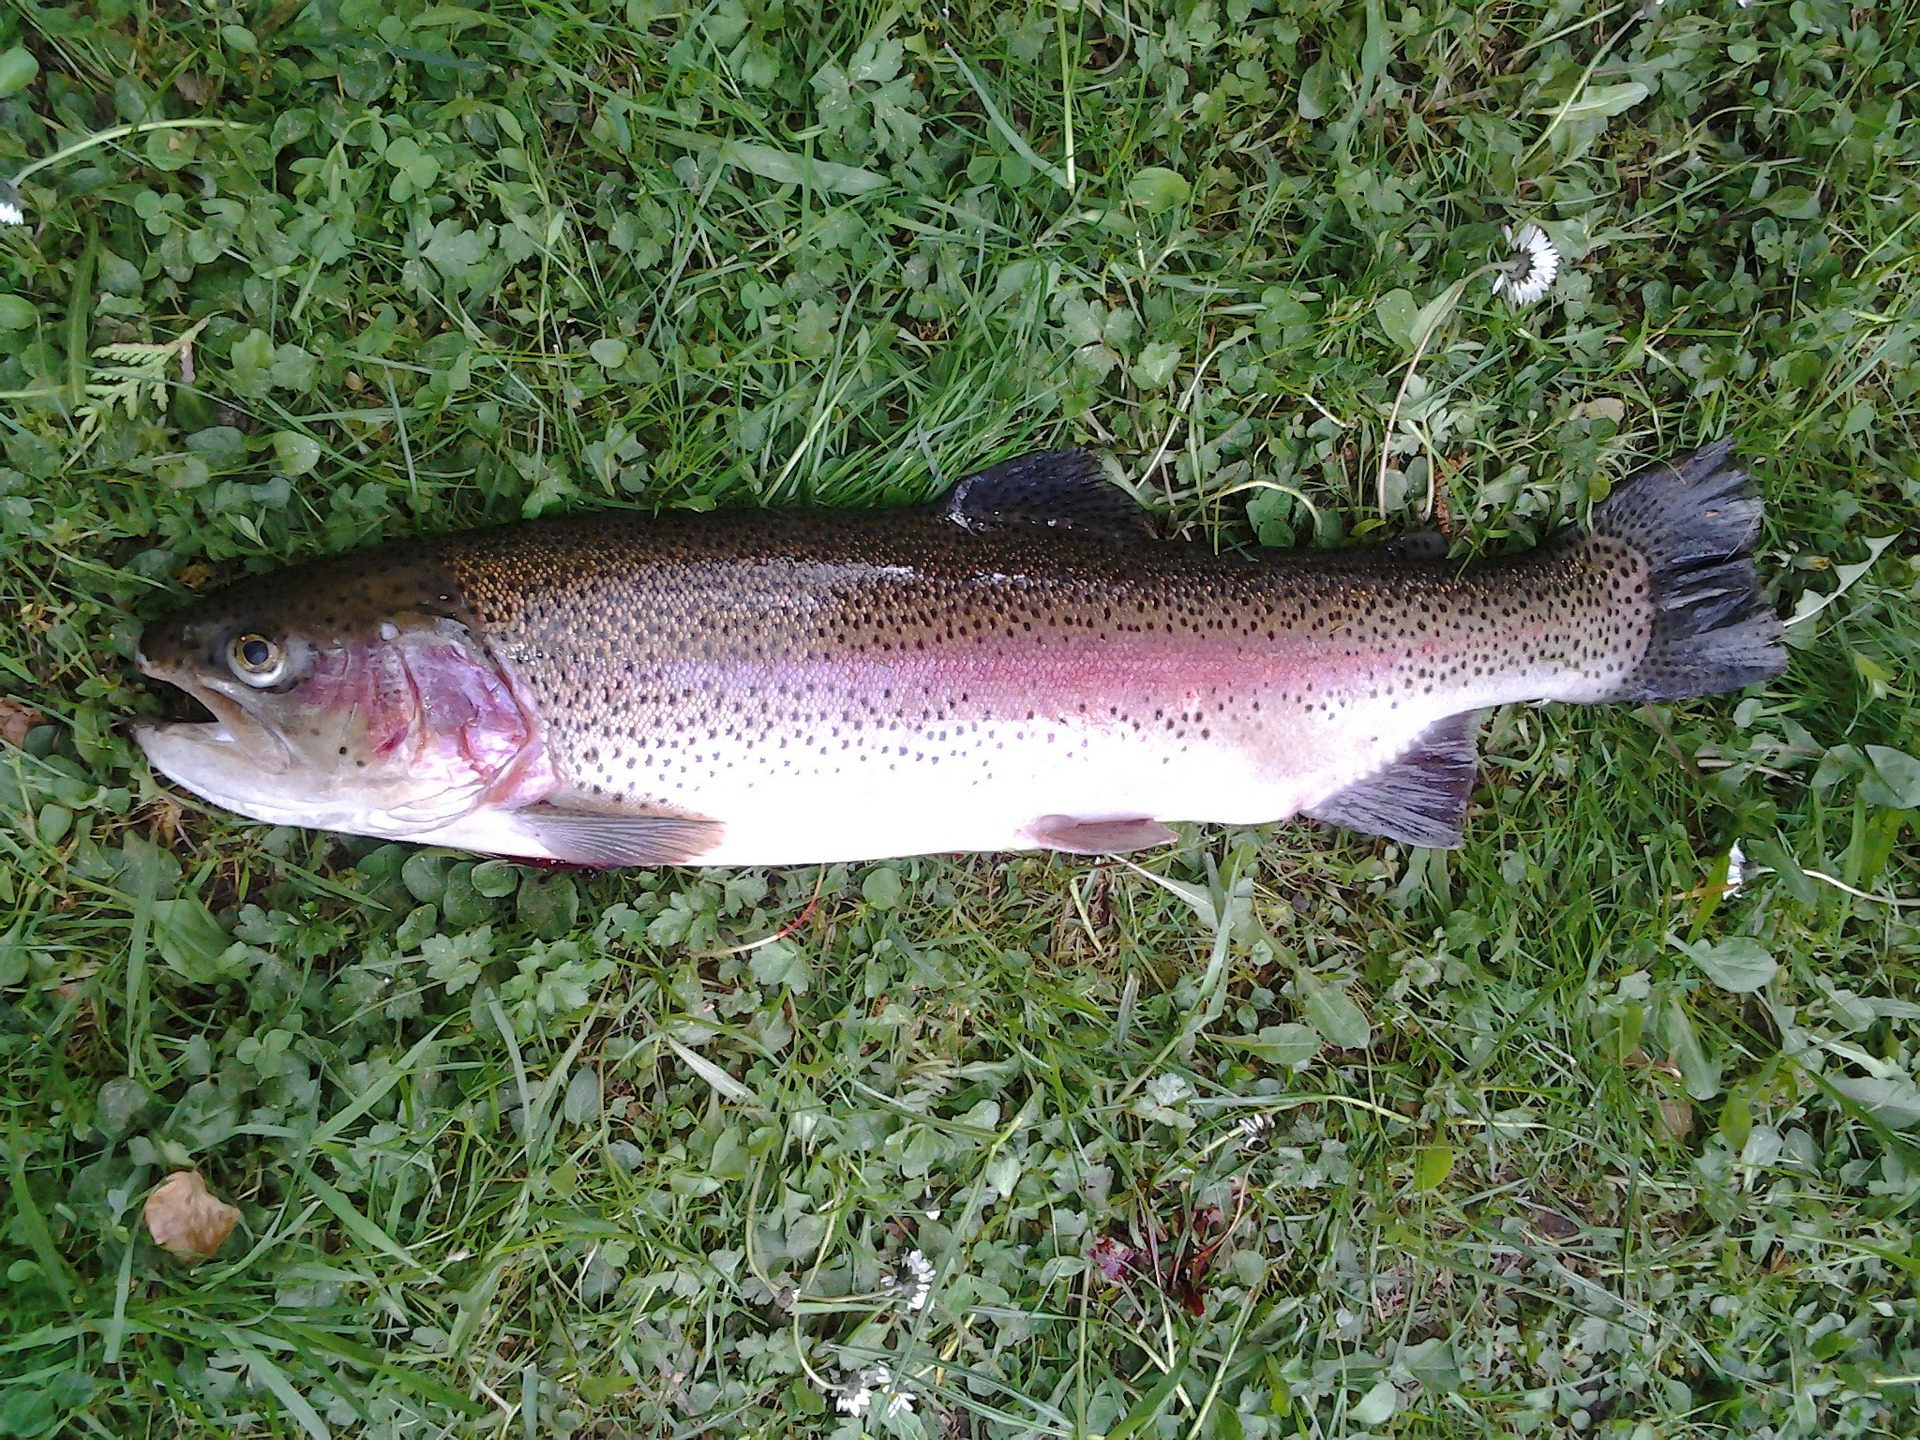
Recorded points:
(1528,273)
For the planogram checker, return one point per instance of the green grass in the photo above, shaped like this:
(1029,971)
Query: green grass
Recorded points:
(522,1154)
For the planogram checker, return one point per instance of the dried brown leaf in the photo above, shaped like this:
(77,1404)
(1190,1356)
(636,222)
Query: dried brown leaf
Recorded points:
(1676,1116)
(187,1219)
(16,719)
(1553,1225)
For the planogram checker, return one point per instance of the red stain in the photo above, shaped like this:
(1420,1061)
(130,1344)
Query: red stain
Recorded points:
(542,862)
(1177,1257)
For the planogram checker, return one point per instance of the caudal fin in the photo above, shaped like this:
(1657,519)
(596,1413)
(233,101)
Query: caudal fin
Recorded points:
(1696,521)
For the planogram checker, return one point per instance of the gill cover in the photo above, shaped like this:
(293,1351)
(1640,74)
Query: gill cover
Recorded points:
(355,695)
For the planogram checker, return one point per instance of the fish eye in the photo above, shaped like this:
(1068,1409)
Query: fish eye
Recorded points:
(256,659)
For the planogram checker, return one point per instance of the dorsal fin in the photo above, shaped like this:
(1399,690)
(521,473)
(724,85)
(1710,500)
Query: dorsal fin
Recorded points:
(1419,545)
(1421,798)
(1050,490)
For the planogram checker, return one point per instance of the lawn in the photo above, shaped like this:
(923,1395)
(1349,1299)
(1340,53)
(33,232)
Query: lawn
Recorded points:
(1604,1125)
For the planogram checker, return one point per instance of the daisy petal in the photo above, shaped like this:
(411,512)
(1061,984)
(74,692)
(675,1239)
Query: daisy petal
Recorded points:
(1529,271)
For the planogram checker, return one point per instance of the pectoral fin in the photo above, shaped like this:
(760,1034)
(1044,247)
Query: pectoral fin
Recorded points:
(610,841)
(1421,798)
(1097,837)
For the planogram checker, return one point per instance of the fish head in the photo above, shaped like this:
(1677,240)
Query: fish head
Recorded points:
(359,695)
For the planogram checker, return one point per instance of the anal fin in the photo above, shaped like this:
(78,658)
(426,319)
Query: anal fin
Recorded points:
(608,841)
(1421,798)
(1097,837)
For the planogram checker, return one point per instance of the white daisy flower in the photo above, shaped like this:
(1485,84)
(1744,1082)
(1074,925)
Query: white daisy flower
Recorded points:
(12,212)
(1736,870)
(1528,273)
(855,1394)
(913,1278)
(1253,1130)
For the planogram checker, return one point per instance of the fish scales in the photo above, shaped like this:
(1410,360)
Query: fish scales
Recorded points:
(1019,667)
(835,686)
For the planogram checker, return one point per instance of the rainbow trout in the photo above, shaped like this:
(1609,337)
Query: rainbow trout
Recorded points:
(1021,665)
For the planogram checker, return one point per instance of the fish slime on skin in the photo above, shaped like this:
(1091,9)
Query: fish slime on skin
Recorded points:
(1019,666)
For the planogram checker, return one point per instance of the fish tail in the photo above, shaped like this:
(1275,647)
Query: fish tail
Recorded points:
(1695,522)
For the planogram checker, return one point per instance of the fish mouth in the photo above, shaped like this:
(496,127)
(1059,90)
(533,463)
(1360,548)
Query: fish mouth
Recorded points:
(236,738)
(243,759)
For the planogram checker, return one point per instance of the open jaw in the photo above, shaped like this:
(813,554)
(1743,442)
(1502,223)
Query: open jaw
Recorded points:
(237,759)
(364,749)
(236,728)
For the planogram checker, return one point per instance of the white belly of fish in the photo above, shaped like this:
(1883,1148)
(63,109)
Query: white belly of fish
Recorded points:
(816,800)
(864,804)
